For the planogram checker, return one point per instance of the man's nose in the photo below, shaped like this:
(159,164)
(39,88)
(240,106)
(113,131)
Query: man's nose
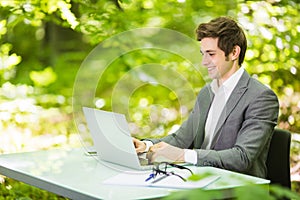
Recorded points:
(205,60)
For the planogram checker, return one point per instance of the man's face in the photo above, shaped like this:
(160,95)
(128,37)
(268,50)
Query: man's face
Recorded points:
(219,66)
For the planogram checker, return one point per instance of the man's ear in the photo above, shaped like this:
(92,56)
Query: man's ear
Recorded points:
(236,52)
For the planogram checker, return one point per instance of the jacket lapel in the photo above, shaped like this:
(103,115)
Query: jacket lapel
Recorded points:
(204,103)
(233,100)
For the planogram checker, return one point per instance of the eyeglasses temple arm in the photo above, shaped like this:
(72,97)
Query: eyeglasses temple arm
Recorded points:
(160,178)
(180,167)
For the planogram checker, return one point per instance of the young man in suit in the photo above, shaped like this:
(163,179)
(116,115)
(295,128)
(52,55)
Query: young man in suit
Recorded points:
(234,116)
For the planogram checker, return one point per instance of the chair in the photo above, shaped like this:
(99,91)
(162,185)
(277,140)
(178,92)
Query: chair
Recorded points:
(278,160)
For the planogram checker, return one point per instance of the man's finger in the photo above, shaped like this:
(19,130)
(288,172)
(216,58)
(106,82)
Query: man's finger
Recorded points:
(149,156)
(153,148)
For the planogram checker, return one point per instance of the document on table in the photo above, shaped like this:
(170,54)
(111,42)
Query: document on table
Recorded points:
(139,179)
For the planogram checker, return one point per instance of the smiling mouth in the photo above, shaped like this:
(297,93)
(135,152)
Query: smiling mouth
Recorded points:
(211,68)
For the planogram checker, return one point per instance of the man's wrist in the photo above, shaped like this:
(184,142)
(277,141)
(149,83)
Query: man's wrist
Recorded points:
(190,156)
(148,145)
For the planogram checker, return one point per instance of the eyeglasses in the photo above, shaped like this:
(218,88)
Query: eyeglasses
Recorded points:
(161,168)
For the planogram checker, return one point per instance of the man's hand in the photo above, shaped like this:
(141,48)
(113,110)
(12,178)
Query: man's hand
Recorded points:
(140,146)
(163,152)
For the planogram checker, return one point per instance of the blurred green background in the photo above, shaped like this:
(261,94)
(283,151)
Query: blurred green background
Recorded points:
(44,42)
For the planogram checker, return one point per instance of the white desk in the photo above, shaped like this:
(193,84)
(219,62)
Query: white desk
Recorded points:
(74,175)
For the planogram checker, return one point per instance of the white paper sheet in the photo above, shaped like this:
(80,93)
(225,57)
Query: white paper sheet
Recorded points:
(175,182)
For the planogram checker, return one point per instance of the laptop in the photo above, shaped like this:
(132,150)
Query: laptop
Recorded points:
(112,139)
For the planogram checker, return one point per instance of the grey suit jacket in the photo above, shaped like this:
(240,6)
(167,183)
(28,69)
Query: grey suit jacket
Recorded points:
(242,135)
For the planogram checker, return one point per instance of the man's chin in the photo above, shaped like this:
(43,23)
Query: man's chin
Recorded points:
(212,76)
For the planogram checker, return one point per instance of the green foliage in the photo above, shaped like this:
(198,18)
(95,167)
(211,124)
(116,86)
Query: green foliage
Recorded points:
(273,53)
(32,121)
(195,194)
(247,192)
(197,177)
(102,19)
(43,78)
(8,62)
(12,190)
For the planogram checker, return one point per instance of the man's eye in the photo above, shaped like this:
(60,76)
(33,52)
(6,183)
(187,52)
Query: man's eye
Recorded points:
(211,54)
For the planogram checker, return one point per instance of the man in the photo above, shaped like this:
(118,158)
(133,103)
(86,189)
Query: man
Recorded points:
(233,119)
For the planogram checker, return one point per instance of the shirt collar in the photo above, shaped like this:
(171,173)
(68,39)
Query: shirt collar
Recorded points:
(229,84)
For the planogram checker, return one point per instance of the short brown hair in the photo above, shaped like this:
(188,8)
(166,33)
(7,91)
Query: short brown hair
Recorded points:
(228,32)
